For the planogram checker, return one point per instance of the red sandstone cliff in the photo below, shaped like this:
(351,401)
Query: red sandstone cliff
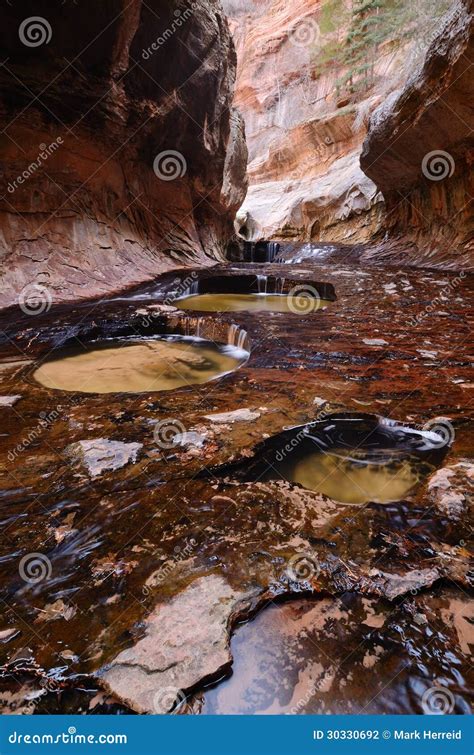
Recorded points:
(89,103)
(420,149)
(304,140)
(305,137)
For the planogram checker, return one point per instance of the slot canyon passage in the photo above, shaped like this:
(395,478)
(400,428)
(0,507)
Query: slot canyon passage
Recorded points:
(236,470)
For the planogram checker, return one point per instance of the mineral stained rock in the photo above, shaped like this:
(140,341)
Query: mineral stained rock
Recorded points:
(121,153)
(419,152)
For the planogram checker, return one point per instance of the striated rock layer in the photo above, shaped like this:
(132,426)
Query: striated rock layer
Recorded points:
(419,151)
(304,138)
(88,103)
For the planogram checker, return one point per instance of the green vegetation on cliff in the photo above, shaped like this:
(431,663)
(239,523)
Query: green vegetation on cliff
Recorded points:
(353,34)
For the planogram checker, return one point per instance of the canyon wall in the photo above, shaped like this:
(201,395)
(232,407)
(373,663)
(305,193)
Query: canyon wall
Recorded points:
(305,131)
(121,153)
(420,150)
(304,138)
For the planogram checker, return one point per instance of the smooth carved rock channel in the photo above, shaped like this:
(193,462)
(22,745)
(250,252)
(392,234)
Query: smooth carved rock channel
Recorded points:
(349,458)
(111,594)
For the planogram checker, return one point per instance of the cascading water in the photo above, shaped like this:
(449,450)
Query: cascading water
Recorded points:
(261,251)
(262,282)
(237,337)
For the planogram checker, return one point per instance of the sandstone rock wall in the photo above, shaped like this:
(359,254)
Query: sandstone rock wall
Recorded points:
(420,149)
(99,111)
(304,139)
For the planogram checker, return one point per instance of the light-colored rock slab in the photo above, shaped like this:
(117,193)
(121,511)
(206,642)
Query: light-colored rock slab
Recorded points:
(190,439)
(375,342)
(239,415)
(102,455)
(451,488)
(185,642)
(9,400)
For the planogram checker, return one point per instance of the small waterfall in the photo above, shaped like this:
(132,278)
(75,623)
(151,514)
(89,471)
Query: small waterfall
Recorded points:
(193,288)
(261,251)
(241,339)
(273,247)
(200,321)
(236,336)
(262,282)
(233,329)
(280,285)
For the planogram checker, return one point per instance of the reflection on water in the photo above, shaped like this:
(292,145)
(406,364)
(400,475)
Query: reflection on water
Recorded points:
(251,302)
(348,654)
(162,364)
(344,477)
(350,458)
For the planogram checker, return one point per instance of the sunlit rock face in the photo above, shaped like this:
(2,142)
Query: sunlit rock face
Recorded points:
(92,104)
(419,152)
(304,138)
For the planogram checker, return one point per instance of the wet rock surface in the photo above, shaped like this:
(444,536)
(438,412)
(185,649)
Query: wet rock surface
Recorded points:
(88,564)
(101,454)
(185,642)
(349,654)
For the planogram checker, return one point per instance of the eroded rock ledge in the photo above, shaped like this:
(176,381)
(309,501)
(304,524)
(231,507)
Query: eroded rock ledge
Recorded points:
(429,204)
(85,114)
